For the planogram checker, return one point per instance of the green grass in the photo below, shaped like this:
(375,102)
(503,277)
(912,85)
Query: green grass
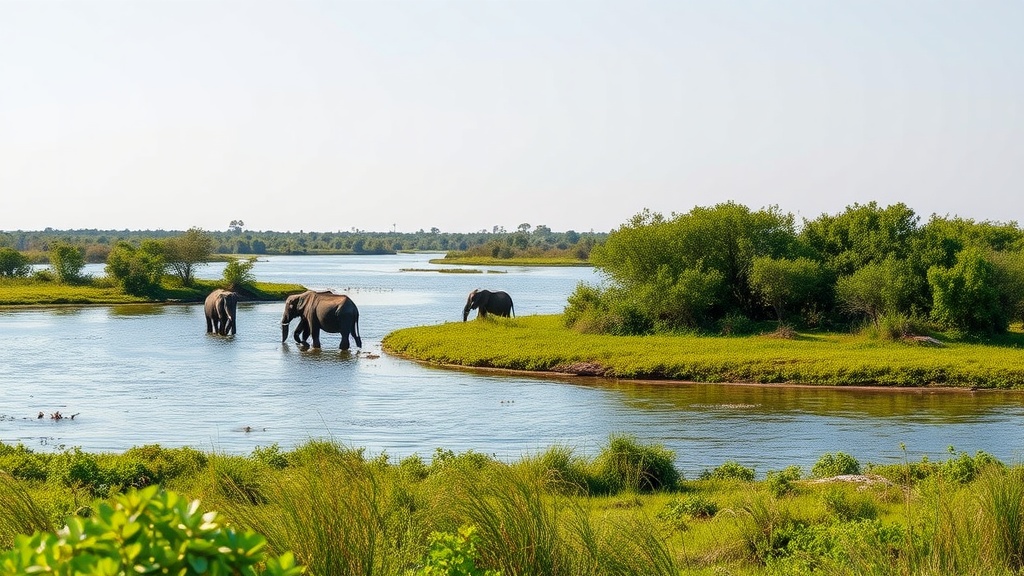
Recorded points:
(487,261)
(343,513)
(542,343)
(28,292)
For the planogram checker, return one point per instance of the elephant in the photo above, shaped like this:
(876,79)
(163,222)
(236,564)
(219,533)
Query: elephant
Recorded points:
(487,302)
(220,309)
(321,311)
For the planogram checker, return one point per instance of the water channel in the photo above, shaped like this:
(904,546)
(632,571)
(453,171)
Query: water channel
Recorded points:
(146,374)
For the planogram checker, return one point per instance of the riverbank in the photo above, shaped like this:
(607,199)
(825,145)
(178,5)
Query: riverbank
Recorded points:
(626,511)
(482,261)
(34,293)
(542,344)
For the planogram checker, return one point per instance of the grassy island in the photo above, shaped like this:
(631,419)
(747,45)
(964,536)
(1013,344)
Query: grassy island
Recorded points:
(511,261)
(30,292)
(542,343)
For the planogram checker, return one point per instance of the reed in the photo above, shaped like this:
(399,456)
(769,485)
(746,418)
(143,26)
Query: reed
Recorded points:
(21,514)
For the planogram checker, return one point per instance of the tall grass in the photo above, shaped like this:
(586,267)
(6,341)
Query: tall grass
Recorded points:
(19,512)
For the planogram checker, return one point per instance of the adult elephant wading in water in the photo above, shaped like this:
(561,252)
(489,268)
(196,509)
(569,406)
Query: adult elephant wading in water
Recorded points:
(322,311)
(486,302)
(220,312)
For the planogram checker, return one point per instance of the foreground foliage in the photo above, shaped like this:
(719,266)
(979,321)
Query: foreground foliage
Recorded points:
(543,343)
(145,532)
(337,512)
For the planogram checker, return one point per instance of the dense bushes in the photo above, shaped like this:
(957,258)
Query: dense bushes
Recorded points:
(714,268)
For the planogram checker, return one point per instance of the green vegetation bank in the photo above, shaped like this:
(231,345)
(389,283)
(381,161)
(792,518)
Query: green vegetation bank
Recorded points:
(325,509)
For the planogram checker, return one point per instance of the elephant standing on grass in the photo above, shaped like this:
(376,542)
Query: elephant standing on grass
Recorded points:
(321,311)
(486,302)
(220,309)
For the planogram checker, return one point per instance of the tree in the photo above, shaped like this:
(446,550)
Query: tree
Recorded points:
(781,282)
(67,262)
(966,296)
(238,272)
(184,253)
(879,288)
(138,270)
(236,226)
(13,263)
(861,235)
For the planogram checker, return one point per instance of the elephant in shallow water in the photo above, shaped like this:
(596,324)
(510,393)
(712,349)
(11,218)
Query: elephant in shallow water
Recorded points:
(486,302)
(220,310)
(321,311)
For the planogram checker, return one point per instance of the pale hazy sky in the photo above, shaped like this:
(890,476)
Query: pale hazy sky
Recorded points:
(463,115)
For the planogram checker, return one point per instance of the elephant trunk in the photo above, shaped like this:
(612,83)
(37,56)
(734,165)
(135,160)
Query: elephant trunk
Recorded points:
(465,313)
(285,321)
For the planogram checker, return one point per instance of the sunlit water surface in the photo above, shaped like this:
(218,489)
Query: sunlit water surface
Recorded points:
(135,375)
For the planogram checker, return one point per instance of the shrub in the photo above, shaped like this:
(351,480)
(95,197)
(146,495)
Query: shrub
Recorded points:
(76,469)
(964,468)
(238,272)
(625,464)
(67,262)
(23,463)
(694,506)
(136,270)
(453,555)
(780,482)
(13,263)
(146,531)
(730,470)
(168,463)
(270,456)
(837,464)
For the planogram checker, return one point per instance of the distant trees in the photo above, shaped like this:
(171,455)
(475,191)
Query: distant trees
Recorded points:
(728,265)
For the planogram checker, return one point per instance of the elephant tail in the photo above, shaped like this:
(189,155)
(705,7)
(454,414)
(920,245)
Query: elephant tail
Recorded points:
(512,309)
(355,333)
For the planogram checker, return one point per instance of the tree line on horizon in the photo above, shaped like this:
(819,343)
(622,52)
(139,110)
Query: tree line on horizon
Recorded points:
(724,268)
(526,240)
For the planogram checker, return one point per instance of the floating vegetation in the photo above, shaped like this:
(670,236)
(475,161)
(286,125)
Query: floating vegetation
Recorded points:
(497,271)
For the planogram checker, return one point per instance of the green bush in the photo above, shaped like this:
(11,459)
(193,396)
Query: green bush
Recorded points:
(136,270)
(563,472)
(67,262)
(13,263)
(454,555)
(965,468)
(76,469)
(168,463)
(22,463)
(625,464)
(238,272)
(144,532)
(730,470)
(837,464)
(780,482)
(677,510)
(271,456)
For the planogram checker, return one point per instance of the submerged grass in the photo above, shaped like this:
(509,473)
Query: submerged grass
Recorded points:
(542,343)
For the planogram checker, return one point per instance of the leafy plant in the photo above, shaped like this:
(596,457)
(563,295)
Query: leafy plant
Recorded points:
(837,464)
(730,470)
(780,482)
(146,531)
(454,555)
(238,272)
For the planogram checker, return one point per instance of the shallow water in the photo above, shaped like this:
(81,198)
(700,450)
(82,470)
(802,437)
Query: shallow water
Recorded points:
(145,374)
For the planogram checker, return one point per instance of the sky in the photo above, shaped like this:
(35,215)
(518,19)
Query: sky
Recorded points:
(469,114)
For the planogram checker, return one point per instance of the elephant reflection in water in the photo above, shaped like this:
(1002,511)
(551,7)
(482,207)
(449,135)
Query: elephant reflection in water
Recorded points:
(486,302)
(321,311)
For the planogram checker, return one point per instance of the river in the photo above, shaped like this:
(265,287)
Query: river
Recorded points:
(145,374)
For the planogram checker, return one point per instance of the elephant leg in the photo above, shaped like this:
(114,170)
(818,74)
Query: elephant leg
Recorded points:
(315,331)
(344,341)
(209,324)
